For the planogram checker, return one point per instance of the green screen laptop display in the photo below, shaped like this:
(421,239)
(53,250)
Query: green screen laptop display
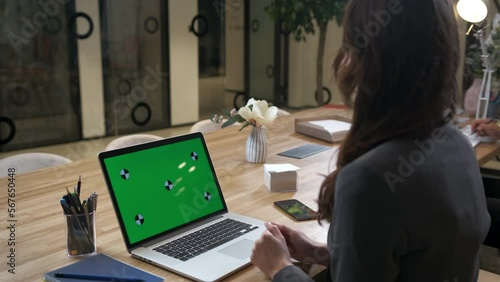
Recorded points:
(163,187)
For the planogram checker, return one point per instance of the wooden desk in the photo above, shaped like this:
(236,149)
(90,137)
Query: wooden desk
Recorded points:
(40,233)
(484,151)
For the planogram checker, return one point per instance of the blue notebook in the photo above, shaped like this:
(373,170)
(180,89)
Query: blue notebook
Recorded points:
(104,266)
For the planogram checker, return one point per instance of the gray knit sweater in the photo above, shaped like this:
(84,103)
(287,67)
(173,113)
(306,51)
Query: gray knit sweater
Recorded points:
(408,210)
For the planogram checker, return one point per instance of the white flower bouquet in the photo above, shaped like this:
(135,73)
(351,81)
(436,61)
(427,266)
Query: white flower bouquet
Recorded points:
(256,113)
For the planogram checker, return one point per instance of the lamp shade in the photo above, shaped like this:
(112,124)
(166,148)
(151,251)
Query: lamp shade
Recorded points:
(473,11)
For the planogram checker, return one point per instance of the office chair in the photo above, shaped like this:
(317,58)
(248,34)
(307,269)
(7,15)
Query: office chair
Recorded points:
(206,126)
(130,140)
(27,162)
(283,113)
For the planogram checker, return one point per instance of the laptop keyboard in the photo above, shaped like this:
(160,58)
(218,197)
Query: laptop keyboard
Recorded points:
(203,240)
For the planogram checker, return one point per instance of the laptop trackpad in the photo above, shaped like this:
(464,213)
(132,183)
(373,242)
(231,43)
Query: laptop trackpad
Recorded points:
(240,250)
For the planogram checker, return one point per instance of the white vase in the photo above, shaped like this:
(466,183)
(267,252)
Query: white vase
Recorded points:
(256,147)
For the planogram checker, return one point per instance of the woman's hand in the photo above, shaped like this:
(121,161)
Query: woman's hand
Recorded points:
(270,252)
(302,248)
(484,127)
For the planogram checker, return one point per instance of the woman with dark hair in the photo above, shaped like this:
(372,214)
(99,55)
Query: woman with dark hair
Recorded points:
(406,201)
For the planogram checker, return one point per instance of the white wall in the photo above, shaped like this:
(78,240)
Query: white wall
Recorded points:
(90,68)
(184,98)
(302,75)
(234,18)
(235,47)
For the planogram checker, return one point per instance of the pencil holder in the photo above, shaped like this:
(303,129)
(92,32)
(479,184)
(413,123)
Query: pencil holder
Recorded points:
(80,235)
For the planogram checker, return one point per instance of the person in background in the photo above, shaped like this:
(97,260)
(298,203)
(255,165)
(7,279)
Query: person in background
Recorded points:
(406,201)
(487,127)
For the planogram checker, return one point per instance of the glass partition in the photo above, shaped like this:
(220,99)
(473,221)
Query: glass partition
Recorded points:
(135,65)
(261,52)
(39,97)
(210,31)
(266,55)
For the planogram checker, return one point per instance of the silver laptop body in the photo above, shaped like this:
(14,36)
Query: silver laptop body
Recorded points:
(167,189)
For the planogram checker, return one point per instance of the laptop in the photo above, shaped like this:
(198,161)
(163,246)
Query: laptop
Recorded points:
(167,199)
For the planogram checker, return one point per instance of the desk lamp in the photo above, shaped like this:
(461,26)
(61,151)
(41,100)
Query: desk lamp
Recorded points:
(475,11)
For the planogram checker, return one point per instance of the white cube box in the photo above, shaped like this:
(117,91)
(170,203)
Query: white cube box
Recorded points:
(280,177)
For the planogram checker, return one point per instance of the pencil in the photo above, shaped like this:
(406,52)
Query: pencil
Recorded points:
(86,210)
(79,185)
(95,277)
(488,122)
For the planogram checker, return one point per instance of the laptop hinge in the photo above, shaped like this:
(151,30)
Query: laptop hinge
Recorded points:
(180,231)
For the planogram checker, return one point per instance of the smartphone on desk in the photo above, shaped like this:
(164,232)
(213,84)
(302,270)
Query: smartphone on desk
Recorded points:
(296,209)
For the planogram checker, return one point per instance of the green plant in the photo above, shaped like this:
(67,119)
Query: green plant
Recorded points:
(473,60)
(493,44)
(473,56)
(300,18)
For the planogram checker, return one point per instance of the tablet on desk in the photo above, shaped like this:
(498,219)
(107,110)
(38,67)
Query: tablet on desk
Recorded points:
(304,151)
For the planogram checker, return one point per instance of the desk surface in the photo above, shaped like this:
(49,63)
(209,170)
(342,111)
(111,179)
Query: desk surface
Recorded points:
(39,233)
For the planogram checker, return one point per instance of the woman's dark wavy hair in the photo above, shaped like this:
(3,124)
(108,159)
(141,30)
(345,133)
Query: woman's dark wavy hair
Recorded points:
(399,78)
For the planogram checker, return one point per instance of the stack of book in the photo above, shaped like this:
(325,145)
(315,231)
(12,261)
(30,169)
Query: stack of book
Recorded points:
(331,129)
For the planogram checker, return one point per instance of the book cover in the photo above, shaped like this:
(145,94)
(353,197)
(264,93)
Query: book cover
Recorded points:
(104,266)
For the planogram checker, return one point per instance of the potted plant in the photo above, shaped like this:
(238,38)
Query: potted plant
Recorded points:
(301,17)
